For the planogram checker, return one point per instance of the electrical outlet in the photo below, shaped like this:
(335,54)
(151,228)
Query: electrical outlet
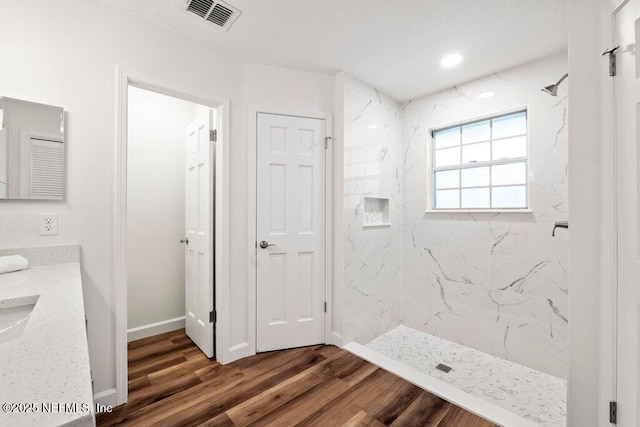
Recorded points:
(48,224)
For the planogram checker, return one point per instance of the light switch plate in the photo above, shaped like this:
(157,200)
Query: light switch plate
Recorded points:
(48,224)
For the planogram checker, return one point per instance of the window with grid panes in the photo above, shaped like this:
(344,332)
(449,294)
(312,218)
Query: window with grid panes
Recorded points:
(481,164)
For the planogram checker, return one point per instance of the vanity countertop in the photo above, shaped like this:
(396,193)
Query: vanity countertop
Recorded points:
(49,363)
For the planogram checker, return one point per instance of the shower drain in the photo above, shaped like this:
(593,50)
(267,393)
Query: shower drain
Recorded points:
(443,368)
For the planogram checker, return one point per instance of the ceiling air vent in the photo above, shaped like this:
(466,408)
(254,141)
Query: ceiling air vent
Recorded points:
(215,12)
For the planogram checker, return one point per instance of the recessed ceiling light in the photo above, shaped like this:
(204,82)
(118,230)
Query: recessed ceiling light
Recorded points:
(485,95)
(372,126)
(451,60)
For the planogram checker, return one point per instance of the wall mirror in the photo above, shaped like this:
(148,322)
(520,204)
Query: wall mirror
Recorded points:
(32,150)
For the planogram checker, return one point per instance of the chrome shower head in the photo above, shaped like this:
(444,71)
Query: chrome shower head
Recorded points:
(553,89)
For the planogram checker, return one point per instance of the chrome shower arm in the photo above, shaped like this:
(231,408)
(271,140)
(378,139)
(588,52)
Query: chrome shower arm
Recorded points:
(562,79)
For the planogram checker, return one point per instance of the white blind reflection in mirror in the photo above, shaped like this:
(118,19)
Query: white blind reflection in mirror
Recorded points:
(481,164)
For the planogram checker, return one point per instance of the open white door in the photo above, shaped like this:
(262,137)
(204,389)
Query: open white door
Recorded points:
(290,231)
(627,99)
(199,271)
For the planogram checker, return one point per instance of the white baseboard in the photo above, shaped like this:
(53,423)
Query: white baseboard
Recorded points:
(146,331)
(440,388)
(107,397)
(336,339)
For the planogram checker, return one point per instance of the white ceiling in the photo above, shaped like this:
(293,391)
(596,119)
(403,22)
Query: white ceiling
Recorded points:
(393,45)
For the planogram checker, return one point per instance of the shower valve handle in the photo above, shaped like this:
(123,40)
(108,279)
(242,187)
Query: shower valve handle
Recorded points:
(559,224)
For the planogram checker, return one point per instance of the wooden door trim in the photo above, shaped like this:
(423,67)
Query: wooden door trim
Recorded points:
(248,348)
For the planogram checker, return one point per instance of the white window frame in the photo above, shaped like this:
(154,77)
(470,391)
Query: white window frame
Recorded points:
(432,169)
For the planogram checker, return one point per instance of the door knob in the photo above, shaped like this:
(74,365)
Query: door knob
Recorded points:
(185,240)
(264,244)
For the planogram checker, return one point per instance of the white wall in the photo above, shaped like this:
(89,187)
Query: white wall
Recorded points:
(591,249)
(337,311)
(156,206)
(66,53)
(494,282)
(372,255)
(283,88)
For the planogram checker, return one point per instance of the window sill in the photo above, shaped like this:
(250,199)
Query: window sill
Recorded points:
(481,211)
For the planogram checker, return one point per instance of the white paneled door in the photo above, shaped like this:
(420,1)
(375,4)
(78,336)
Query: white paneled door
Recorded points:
(627,98)
(290,231)
(199,234)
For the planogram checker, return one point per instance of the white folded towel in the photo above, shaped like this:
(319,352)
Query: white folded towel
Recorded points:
(12,263)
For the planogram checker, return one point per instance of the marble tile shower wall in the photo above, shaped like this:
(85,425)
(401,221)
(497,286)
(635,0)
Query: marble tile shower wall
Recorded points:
(494,282)
(372,167)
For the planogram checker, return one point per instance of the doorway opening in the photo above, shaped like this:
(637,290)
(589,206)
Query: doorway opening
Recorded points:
(171,211)
(170,217)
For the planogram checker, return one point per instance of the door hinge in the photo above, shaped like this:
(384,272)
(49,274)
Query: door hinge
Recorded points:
(213,135)
(213,316)
(612,60)
(325,306)
(613,412)
(326,142)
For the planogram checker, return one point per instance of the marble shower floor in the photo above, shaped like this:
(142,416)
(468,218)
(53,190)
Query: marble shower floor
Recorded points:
(531,394)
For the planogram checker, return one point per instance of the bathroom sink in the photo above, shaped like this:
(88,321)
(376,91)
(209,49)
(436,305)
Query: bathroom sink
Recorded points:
(14,316)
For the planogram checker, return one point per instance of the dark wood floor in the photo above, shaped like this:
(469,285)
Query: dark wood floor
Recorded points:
(171,383)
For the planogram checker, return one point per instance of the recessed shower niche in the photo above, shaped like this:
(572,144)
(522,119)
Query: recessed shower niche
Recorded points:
(376,212)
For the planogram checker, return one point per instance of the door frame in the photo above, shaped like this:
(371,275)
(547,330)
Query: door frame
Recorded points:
(609,224)
(222,216)
(252,219)
(610,121)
